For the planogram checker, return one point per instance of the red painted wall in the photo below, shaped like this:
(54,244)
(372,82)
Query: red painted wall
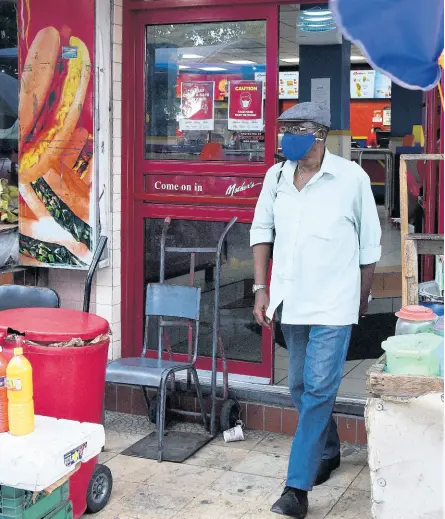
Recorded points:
(361,114)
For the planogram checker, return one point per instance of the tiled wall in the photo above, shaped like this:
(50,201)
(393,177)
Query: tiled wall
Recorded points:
(106,290)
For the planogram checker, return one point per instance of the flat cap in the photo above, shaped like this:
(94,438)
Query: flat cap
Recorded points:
(308,112)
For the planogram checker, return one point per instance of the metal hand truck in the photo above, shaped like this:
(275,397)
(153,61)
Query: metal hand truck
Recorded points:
(230,411)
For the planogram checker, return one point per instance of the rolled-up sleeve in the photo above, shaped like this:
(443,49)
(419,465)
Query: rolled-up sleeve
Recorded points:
(263,220)
(369,229)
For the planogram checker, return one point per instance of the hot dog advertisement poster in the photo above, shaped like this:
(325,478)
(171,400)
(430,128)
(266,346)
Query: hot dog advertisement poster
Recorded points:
(57,202)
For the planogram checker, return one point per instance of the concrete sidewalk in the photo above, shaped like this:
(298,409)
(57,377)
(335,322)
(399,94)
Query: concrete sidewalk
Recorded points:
(222,481)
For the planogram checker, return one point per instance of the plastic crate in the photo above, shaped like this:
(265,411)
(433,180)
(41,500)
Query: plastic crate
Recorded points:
(19,504)
(63,512)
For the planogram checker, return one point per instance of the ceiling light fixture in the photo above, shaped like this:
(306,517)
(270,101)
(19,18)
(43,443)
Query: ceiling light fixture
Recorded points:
(191,56)
(212,69)
(316,20)
(241,62)
(183,67)
(297,60)
(316,11)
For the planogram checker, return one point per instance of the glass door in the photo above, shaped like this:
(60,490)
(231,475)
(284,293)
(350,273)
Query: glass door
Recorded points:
(193,72)
(203,140)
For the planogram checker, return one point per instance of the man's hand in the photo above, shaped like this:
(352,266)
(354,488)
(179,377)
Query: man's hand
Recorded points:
(367,273)
(260,308)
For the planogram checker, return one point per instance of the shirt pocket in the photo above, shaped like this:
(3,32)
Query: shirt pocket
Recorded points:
(284,205)
(329,223)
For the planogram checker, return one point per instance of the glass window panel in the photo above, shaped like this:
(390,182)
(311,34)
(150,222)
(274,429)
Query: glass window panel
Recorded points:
(240,335)
(8,92)
(189,69)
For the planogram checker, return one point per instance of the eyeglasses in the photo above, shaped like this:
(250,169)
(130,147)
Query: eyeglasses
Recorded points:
(298,130)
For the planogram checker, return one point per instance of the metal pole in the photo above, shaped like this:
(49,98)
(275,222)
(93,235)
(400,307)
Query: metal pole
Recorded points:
(91,271)
(216,320)
(430,192)
(165,227)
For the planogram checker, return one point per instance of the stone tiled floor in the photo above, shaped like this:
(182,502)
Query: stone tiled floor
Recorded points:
(222,481)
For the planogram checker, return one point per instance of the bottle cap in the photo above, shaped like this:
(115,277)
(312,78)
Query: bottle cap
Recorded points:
(18,351)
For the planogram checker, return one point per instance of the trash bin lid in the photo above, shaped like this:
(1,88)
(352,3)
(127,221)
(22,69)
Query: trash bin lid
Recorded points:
(53,324)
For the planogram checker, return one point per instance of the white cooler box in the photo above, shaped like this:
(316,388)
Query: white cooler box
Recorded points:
(36,461)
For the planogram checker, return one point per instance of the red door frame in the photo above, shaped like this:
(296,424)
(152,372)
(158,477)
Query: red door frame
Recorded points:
(441,179)
(138,205)
(433,184)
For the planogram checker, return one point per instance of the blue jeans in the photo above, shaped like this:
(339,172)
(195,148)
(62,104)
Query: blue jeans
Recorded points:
(316,359)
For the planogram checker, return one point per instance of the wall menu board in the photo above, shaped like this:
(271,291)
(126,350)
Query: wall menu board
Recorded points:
(369,84)
(288,85)
(382,86)
(362,84)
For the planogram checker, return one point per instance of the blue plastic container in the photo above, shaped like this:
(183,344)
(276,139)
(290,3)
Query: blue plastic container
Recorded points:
(437,308)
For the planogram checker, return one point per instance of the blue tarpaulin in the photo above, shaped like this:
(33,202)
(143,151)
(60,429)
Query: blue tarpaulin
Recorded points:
(401,38)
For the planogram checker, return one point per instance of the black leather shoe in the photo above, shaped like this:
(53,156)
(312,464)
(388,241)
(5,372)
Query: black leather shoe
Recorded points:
(325,470)
(293,503)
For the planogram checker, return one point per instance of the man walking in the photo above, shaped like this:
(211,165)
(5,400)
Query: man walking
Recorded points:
(319,212)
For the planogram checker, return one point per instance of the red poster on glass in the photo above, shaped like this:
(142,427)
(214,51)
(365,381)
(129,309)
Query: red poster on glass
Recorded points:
(246,105)
(197,106)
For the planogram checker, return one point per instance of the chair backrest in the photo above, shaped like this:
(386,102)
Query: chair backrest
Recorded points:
(18,296)
(173,301)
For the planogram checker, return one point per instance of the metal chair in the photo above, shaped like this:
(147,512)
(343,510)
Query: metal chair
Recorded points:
(18,296)
(181,305)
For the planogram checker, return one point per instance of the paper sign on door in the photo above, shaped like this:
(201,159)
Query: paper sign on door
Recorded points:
(197,106)
(246,105)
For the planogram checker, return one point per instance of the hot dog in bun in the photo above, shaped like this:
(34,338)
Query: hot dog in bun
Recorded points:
(50,231)
(52,94)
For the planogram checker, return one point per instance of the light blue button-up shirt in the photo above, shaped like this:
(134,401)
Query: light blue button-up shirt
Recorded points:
(323,234)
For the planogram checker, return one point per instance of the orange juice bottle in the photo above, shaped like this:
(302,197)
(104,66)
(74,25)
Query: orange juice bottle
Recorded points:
(20,395)
(4,427)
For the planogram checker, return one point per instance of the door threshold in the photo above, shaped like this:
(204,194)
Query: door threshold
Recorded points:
(234,378)
(259,389)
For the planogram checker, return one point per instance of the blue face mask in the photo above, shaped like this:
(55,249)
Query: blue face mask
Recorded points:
(295,147)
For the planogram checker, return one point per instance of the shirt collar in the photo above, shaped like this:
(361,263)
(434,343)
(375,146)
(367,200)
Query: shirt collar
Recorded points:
(327,166)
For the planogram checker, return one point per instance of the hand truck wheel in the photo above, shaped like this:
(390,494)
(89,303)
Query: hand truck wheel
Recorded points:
(99,489)
(153,410)
(230,414)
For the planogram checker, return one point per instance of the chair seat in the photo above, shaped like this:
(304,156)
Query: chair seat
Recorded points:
(140,371)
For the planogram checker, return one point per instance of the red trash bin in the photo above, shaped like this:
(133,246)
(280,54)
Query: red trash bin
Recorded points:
(69,382)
